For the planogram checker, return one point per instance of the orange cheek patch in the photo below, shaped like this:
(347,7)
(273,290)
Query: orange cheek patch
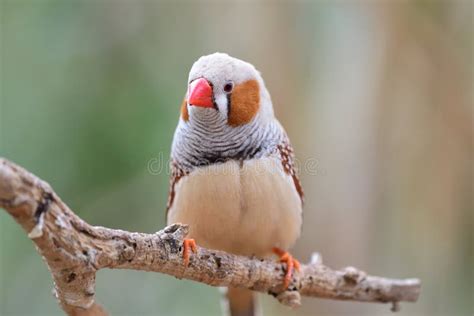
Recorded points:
(245,101)
(184,110)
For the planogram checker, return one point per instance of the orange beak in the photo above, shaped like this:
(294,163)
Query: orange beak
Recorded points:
(200,93)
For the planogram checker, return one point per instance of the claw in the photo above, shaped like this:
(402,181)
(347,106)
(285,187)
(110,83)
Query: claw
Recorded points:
(291,265)
(188,244)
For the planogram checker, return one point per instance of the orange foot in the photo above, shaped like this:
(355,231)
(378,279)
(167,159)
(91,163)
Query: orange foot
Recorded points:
(187,244)
(291,264)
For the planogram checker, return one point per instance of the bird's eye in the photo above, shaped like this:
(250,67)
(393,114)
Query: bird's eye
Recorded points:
(228,87)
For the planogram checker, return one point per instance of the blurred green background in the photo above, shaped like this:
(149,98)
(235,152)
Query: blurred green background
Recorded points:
(376,96)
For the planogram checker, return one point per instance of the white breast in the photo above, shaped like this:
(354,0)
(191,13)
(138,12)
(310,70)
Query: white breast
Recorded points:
(244,209)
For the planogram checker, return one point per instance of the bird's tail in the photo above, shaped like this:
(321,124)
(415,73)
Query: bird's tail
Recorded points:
(240,302)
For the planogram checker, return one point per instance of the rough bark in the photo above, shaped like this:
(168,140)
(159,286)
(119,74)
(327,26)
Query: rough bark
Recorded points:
(74,251)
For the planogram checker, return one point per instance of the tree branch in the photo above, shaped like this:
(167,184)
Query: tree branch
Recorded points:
(74,251)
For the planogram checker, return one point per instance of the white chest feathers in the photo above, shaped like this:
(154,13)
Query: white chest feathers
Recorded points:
(243,209)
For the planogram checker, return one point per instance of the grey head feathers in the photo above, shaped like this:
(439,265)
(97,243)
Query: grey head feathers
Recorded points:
(206,137)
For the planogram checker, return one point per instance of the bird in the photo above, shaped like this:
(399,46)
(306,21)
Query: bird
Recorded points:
(233,176)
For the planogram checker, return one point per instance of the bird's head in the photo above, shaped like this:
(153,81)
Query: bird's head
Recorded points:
(225,90)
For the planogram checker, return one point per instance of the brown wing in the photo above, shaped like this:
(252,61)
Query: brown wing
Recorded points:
(176,174)
(288,161)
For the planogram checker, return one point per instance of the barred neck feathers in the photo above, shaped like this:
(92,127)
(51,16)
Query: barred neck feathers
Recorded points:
(201,143)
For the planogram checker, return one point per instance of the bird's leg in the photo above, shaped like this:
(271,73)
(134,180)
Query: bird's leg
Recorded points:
(188,244)
(291,265)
